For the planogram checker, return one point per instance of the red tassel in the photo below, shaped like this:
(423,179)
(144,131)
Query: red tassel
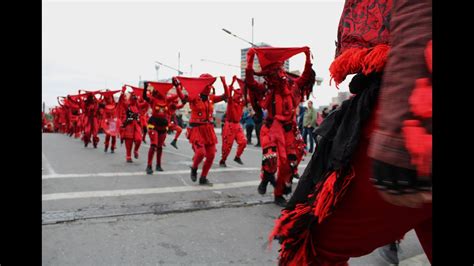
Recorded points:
(357,60)
(325,198)
(341,66)
(376,59)
(345,184)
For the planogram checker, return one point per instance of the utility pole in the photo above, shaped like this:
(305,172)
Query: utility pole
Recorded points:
(252,30)
(161,64)
(230,33)
(179,61)
(157,68)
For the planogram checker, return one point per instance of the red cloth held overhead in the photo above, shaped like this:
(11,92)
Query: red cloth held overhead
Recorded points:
(195,86)
(161,87)
(270,55)
(135,90)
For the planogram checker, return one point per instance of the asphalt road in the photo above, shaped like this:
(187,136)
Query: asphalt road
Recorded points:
(100,210)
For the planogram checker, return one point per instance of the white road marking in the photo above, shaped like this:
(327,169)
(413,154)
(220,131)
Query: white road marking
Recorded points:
(142,173)
(184,182)
(144,191)
(48,165)
(247,148)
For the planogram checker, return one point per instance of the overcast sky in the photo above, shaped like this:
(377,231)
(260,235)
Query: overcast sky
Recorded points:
(105,44)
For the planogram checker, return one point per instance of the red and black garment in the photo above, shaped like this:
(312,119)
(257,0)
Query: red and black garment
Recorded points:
(128,111)
(335,213)
(363,39)
(158,102)
(279,95)
(362,48)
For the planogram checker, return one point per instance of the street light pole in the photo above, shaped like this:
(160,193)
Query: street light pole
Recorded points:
(161,64)
(179,61)
(252,30)
(230,33)
(157,67)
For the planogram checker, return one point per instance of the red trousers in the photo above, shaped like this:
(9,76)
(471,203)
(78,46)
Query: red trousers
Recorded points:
(231,132)
(175,127)
(203,140)
(201,151)
(363,221)
(131,134)
(107,140)
(156,146)
(128,146)
(91,129)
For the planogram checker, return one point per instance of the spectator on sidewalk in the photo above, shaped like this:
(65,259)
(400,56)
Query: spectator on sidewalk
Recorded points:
(247,117)
(309,120)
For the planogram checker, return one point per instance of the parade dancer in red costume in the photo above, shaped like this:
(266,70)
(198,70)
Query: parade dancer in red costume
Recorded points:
(173,124)
(130,131)
(232,129)
(381,135)
(91,124)
(73,115)
(279,95)
(159,120)
(110,122)
(58,119)
(200,132)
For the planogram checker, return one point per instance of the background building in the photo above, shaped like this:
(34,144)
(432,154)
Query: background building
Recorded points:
(341,96)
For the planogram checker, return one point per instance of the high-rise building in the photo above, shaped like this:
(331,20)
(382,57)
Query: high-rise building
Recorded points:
(256,64)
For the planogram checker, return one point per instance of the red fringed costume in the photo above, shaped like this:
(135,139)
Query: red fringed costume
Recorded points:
(280,96)
(336,212)
(159,120)
(232,129)
(90,120)
(73,113)
(200,132)
(130,130)
(110,122)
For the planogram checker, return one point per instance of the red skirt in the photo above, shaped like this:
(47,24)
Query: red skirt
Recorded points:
(203,134)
